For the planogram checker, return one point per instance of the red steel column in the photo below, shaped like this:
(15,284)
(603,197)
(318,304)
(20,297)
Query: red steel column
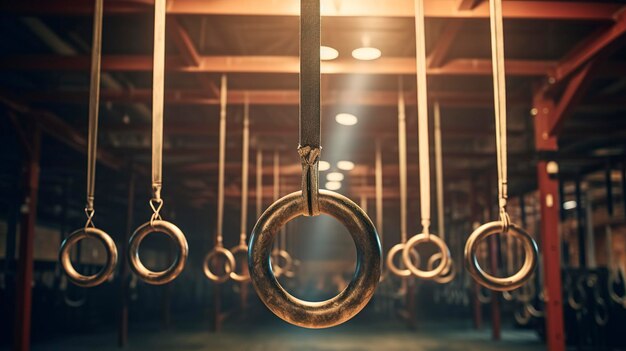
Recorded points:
(27,237)
(550,239)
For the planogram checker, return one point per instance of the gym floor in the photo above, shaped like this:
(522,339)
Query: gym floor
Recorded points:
(385,336)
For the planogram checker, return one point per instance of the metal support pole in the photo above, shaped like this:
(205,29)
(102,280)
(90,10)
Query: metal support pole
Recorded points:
(25,262)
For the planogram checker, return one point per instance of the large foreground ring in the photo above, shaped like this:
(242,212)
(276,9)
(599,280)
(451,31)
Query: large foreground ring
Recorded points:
(239,249)
(229,264)
(425,238)
(87,281)
(172,231)
(495,283)
(348,302)
(391,265)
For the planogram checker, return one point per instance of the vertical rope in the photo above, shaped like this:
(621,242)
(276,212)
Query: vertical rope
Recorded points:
(222,161)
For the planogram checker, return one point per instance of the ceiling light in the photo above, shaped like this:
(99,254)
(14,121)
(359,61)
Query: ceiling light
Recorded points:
(346,119)
(333,185)
(345,165)
(569,205)
(328,53)
(366,53)
(323,166)
(334,177)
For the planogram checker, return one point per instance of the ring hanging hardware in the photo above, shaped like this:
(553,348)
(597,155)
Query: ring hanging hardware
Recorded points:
(361,288)
(424,162)
(89,230)
(309,157)
(504,225)
(242,247)
(156,222)
(219,250)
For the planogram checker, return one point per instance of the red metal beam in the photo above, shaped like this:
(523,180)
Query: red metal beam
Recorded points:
(577,11)
(600,42)
(439,54)
(274,64)
(183,42)
(466,5)
(576,88)
(25,264)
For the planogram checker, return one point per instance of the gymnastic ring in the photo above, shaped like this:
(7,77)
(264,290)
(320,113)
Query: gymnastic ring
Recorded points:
(483,298)
(241,248)
(425,238)
(522,316)
(575,304)
(348,302)
(526,292)
(229,264)
(276,267)
(87,281)
(495,283)
(601,312)
(533,311)
(509,295)
(448,274)
(172,231)
(615,297)
(391,264)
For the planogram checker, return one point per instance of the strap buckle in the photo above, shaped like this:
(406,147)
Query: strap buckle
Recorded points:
(309,158)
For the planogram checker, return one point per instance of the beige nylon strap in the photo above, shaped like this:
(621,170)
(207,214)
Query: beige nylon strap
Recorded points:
(499,100)
(245,144)
(422,115)
(441,230)
(259,182)
(158,77)
(94,99)
(379,190)
(222,161)
(402,160)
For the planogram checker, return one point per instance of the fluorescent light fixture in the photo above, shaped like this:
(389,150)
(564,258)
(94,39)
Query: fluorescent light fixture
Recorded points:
(333,185)
(323,166)
(345,165)
(569,205)
(366,53)
(334,177)
(328,53)
(347,119)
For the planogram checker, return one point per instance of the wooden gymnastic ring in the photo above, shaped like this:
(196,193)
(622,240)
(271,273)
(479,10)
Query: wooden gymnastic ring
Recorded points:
(420,239)
(448,274)
(87,281)
(172,231)
(347,303)
(229,264)
(241,248)
(397,271)
(489,281)
(276,267)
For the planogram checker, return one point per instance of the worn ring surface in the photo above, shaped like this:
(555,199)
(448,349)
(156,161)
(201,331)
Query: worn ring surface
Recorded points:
(397,248)
(87,281)
(229,264)
(425,238)
(489,281)
(172,231)
(348,302)
(242,248)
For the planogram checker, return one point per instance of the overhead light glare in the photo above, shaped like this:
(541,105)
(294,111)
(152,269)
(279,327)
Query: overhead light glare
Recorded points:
(333,185)
(366,53)
(334,177)
(323,166)
(327,53)
(347,119)
(345,165)
(569,205)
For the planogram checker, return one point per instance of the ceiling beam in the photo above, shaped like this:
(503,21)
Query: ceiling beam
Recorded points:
(270,97)
(273,65)
(466,5)
(556,10)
